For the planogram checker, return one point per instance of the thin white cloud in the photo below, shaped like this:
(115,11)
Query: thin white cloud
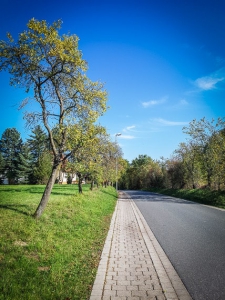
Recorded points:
(150,103)
(164,122)
(139,130)
(154,102)
(207,83)
(129,128)
(127,137)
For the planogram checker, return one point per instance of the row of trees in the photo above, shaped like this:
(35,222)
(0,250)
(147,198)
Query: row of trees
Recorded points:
(31,161)
(198,163)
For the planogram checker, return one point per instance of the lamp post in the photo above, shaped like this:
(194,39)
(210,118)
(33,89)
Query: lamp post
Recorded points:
(116,135)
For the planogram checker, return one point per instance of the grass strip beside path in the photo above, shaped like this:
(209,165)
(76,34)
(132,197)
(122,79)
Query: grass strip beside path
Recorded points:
(203,196)
(55,257)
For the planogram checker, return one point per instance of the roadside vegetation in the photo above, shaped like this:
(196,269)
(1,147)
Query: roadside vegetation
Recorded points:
(203,196)
(195,170)
(57,256)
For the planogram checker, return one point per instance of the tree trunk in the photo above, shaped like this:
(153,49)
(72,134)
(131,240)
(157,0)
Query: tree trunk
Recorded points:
(80,184)
(46,194)
(92,185)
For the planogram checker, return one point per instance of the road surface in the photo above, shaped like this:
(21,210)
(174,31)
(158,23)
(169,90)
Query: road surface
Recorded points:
(193,237)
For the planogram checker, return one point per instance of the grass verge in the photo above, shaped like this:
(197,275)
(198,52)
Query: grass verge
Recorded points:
(203,196)
(57,256)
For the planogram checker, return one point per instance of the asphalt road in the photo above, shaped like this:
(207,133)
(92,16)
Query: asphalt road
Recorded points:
(193,237)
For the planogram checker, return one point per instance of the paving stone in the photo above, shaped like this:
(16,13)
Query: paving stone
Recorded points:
(109,293)
(97,298)
(123,282)
(123,293)
(139,293)
(132,287)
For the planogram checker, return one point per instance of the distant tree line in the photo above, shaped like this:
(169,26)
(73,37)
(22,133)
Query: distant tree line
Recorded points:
(198,163)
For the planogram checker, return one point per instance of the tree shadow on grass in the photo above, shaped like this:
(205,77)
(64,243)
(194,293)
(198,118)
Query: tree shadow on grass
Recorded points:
(13,207)
(106,192)
(18,190)
(57,190)
(55,193)
(37,191)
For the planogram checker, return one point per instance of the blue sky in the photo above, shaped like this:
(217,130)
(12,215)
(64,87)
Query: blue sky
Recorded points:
(162,62)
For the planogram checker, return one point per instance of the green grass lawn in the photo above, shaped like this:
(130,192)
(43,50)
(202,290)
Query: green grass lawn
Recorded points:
(55,257)
(203,196)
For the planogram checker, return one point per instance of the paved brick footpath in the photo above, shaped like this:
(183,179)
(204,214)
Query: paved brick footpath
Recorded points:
(133,265)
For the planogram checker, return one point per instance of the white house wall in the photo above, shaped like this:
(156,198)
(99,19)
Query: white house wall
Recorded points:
(64,176)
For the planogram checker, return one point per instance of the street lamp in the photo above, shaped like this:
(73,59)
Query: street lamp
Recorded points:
(116,135)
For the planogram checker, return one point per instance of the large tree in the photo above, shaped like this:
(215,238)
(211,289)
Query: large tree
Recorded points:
(188,155)
(10,148)
(51,67)
(207,136)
